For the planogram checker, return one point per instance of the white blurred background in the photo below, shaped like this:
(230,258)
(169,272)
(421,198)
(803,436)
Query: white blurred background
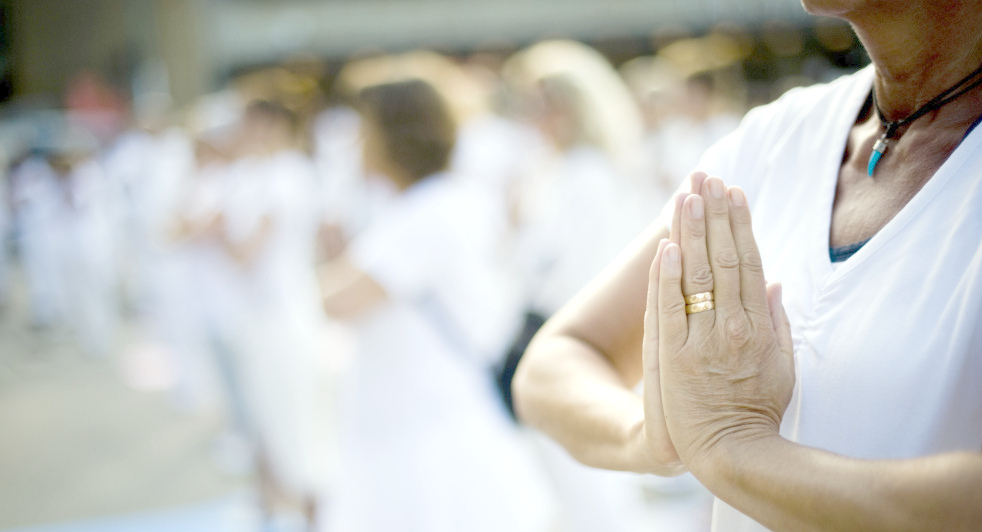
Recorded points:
(242,287)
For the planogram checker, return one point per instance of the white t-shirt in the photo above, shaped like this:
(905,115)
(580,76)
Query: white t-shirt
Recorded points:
(888,345)
(284,270)
(425,436)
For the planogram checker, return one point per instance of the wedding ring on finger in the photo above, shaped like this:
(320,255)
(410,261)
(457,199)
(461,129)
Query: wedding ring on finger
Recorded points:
(702,306)
(701,297)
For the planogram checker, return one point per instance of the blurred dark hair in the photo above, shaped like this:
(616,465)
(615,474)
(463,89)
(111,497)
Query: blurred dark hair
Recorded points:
(274,111)
(702,80)
(415,125)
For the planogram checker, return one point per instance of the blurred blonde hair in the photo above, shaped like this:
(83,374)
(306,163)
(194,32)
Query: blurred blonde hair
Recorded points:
(607,115)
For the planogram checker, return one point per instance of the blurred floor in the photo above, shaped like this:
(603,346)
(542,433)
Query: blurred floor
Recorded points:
(77,444)
(227,514)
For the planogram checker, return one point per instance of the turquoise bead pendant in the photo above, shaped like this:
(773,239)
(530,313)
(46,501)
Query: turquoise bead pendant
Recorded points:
(878,150)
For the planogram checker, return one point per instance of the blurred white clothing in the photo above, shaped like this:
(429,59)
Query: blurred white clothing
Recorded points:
(349,200)
(38,197)
(427,444)
(576,225)
(195,317)
(592,499)
(87,256)
(151,168)
(493,152)
(283,338)
(675,148)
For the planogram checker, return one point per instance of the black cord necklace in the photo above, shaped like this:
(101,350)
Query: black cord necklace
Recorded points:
(967,83)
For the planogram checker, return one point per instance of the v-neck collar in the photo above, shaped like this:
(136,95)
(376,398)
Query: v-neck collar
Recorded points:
(822,225)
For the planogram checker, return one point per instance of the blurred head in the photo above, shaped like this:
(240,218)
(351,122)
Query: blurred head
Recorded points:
(584,100)
(409,131)
(562,116)
(268,127)
(699,90)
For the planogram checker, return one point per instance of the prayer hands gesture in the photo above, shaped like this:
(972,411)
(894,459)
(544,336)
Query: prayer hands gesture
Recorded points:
(713,376)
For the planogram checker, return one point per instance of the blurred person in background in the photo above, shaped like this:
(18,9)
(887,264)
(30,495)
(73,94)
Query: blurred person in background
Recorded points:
(149,163)
(65,207)
(577,210)
(336,133)
(211,298)
(849,398)
(699,120)
(84,238)
(654,81)
(427,444)
(271,221)
(36,199)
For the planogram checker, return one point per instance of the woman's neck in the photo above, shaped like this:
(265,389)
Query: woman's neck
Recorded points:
(920,49)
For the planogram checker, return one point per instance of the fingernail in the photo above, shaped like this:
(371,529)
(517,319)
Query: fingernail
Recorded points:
(696,207)
(661,245)
(737,197)
(680,199)
(696,178)
(672,253)
(716,187)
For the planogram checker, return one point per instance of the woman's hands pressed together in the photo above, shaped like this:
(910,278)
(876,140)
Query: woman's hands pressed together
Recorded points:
(725,375)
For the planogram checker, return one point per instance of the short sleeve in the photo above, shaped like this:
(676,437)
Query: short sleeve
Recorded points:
(403,252)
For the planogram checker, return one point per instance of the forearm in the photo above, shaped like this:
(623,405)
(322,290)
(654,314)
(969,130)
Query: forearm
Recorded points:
(571,392)
(786,486)
(245,251)
(346,291)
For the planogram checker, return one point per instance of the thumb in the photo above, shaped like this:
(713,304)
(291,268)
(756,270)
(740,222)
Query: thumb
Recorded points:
(649,347)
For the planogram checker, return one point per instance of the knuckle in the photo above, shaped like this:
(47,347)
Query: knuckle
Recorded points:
(726,260)
(673,305)
(695,229)
(737,332)
(717,209)
(701,275)
(751,261)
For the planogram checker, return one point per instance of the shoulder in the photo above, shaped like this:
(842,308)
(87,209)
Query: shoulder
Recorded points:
(821,102)
(801,123)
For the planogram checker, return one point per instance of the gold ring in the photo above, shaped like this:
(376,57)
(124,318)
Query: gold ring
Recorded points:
(699,298)
(696,308)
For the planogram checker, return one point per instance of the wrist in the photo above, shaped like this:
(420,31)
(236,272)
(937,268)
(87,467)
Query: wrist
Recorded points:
(653,455)
(734,456)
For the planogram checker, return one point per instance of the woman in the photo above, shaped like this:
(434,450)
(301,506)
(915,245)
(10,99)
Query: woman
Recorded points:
(876,421)
(573,214)
(271,224)
(426,444)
